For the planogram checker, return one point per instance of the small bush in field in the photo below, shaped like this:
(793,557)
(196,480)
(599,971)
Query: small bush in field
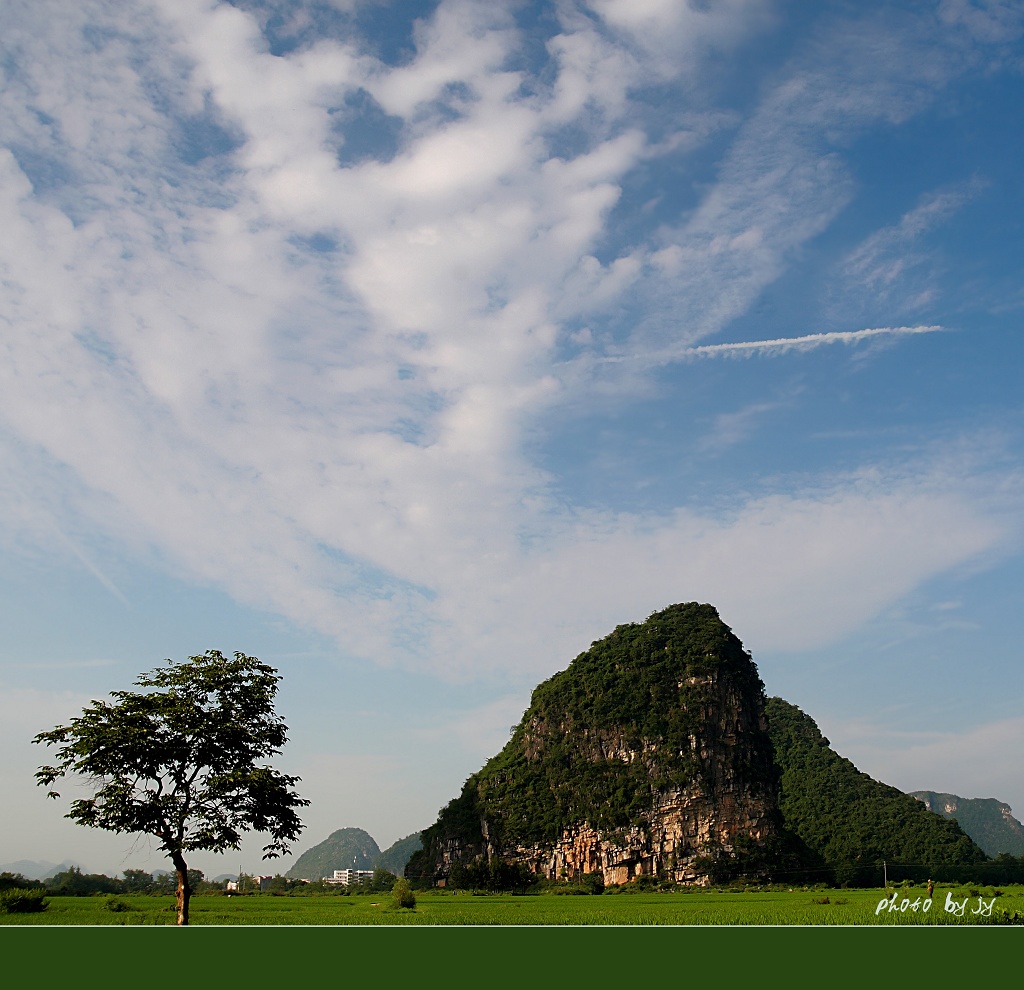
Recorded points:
(22,901)
(402,895)
(116,904)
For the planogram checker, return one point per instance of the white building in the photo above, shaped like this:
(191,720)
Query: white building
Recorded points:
(348,877)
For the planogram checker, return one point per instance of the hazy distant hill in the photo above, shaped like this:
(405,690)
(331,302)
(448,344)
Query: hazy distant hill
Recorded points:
(397,855)
(38,869)
(346,849)
(988,821)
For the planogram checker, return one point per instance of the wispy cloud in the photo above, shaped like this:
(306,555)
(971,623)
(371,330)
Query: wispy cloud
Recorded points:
(900,268)
(731,428)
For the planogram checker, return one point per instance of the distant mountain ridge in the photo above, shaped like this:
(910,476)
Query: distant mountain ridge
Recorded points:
(990,823)
(345,849)
(399,853)
(352,849)
(39,869)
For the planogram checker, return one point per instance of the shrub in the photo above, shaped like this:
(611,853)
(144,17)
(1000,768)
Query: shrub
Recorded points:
(116,904)
(402,895)
(584,883)
(22,901)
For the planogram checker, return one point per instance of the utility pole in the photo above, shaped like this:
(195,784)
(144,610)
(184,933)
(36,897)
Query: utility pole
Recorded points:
(885,873)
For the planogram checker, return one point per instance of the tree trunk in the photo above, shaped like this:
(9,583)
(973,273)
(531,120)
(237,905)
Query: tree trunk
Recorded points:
(184,890)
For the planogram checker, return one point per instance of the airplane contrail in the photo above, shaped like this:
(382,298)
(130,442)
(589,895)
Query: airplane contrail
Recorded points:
(746,347)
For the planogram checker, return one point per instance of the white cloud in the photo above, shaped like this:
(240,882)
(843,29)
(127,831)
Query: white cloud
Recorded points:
(783,180)
(338,434)
(464,44)
(791,572)
(672,35)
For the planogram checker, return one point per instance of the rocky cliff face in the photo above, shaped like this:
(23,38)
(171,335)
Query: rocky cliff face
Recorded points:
(649,755)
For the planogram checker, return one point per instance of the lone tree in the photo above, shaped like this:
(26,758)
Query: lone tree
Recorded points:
(180,763)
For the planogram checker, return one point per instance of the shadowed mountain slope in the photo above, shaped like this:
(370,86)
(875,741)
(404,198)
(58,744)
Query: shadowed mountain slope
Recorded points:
(851,820)
(398,853)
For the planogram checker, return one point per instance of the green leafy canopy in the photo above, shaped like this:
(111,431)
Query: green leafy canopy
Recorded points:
(182,762)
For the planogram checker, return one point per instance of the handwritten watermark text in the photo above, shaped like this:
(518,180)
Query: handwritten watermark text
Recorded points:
(924,904)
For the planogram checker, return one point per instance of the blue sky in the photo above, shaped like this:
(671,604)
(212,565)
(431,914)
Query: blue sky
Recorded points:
(395,344)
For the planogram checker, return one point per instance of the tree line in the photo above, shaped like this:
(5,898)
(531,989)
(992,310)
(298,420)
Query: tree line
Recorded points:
(72,882)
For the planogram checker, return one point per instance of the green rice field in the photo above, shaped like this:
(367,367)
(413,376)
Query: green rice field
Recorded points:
(981,906)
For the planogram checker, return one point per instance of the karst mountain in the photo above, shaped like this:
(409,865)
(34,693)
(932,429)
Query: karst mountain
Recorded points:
(657,754)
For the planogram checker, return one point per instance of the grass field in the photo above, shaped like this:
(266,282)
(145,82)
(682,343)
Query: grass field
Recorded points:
(797,907)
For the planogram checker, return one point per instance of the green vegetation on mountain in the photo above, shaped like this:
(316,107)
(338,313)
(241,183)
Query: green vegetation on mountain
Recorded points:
(668,718)
(624,724)
(987,821)
(641,689)
(398,853)
(346,849)
(851,820)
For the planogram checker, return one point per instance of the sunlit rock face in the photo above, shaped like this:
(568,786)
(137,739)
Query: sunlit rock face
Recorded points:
(649,755)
